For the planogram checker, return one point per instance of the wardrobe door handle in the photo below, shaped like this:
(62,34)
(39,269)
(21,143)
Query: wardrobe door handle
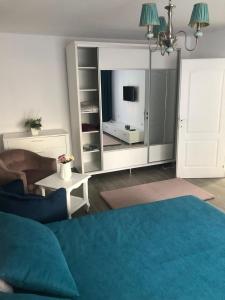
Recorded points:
(146,115)
(181,123)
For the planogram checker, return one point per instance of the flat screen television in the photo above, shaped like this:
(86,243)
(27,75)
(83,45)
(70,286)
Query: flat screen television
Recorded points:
(130,93)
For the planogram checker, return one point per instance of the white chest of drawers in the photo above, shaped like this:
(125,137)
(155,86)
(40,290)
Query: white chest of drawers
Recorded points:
(49,143)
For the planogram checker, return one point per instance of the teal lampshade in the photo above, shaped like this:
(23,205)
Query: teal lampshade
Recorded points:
(149,15)
(160,28)
(200,15)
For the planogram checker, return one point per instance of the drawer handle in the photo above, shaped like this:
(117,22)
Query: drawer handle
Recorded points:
(37,141)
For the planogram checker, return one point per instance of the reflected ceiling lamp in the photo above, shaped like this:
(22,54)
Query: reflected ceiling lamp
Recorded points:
(161,32)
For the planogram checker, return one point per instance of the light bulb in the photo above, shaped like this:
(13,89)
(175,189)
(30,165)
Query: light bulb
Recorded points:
(149,35)
(169,50)
(198,34)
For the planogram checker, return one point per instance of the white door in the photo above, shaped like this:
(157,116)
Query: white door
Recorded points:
(201,125)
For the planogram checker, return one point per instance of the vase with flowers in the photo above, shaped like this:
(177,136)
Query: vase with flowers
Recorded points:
(34,125)
(64,161)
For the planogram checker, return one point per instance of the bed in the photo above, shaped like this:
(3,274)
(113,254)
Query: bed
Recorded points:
(171,249)
(118,130)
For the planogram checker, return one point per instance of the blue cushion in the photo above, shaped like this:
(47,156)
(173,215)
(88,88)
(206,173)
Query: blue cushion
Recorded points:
(31,258)
(43,209)
(15,187)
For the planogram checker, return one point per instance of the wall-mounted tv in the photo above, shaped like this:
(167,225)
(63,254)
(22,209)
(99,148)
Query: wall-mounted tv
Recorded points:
(130,93)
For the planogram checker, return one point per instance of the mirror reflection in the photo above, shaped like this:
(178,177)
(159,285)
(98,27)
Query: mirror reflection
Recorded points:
(123,105)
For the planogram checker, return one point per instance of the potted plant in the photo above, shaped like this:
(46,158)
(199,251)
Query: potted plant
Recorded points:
(34,125)
(64,161)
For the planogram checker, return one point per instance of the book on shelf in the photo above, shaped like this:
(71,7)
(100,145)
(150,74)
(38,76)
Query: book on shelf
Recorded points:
(89,127)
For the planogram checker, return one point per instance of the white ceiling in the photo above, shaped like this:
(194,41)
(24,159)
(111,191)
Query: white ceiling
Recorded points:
(94,18)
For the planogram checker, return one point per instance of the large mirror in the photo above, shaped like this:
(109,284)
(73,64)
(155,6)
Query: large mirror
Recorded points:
(123,108)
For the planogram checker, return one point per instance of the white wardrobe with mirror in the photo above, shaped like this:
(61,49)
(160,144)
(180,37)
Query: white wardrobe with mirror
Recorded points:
(115,122)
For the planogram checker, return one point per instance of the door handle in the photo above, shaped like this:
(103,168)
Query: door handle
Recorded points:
(146,115)
(181,123)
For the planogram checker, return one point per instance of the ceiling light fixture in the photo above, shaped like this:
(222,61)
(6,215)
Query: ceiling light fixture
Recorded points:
(162,33)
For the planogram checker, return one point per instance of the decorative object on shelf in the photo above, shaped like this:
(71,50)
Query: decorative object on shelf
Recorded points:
(90,147)
(34,125)
(89,127)
(65,160)
(162,33)
(87,107)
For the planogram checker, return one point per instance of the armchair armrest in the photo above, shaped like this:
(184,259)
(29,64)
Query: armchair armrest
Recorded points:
(7,175)
(47,163)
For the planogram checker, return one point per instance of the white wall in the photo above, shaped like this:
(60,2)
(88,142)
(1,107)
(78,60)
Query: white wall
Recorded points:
(212,45)
(33,81)
(131,113)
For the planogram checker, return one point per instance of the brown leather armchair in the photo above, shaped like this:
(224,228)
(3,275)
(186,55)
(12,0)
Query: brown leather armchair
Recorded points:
(25,165)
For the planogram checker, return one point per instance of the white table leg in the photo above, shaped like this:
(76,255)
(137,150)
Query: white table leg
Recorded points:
(68,200)
(85,194)
(42,191)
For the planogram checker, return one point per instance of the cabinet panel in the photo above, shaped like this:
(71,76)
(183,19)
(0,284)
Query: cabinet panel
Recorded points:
(126,158)
(115,58)
(161,152)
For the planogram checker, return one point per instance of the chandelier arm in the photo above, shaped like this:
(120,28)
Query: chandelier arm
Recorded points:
(156,48)
(163,51)
(185,42)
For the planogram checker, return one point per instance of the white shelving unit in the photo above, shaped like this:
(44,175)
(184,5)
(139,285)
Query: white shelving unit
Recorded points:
(84,90)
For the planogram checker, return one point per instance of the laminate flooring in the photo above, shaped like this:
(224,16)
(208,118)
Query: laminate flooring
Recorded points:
(115,180)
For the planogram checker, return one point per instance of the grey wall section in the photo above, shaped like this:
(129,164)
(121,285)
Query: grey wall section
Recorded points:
(211,45)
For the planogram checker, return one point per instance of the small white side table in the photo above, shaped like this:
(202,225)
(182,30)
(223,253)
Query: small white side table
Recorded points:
(54,182)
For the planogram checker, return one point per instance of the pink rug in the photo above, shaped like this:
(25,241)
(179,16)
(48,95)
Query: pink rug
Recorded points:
(151,192)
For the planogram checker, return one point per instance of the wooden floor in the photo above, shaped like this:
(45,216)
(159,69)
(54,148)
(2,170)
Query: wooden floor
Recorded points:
(114,180)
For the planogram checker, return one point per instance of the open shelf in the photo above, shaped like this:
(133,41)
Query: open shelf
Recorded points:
(76,203)
(91,131)
(91,151)
(86,112)
(89,111)
(88,79)
(88,90)
(87,56)
(91,145)
(87,68)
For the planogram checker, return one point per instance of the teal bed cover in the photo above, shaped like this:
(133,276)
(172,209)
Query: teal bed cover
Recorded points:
(169,250)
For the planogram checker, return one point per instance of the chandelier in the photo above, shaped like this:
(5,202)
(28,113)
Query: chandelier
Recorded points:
(161,33)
